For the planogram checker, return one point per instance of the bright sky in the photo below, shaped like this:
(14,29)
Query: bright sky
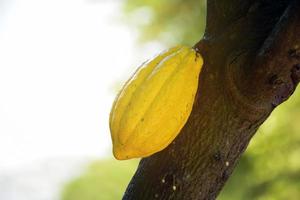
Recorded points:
(59,60)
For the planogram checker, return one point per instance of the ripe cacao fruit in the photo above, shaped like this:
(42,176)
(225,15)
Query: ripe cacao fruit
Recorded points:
(155,103)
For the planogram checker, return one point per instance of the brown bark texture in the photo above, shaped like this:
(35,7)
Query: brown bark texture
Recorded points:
(251,51)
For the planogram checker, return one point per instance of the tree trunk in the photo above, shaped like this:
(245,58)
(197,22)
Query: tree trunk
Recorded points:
(251,51)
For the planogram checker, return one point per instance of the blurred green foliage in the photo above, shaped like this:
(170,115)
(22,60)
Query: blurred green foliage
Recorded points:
(103,180)
(270,168)
(171,22)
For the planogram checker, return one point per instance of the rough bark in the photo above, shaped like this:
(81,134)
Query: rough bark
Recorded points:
(251,50)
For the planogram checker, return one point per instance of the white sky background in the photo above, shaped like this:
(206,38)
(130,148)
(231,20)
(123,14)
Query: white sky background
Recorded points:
(59,61)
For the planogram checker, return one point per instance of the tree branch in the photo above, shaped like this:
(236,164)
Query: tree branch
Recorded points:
(251,65)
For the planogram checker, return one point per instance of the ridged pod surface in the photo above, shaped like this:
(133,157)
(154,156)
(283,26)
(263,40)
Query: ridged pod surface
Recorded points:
(155,103)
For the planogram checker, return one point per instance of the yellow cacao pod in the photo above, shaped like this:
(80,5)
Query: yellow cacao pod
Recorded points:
(155,103)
